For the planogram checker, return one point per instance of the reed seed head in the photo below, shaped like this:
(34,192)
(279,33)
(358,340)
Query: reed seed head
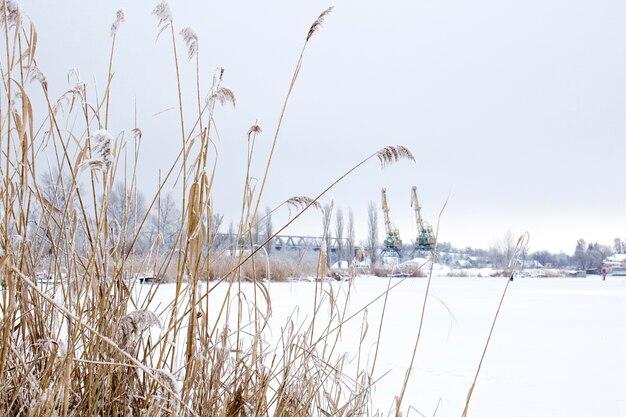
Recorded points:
(132,326)
(191,40)
(255,129)
(223,95)
(104,145)
(164,14)
(102,156)
(13,14)
(119,19)
(318,23)
(168,379)
(300,202)
(35,74)
(392,154)
(137,132)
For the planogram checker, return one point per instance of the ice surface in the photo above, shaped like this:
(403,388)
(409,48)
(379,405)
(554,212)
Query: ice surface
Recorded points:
(557,348)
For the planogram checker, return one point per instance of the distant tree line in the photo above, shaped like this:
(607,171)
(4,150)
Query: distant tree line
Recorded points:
(132,228)
(586,256)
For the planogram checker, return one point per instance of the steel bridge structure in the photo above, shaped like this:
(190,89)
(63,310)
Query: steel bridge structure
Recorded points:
(287,242)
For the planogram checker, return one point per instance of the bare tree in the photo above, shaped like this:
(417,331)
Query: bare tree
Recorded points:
(232,238)
(372,232)
(600,252)
(50,223)
(580,254)
(508,248)
(164,223)
(618,247)
(350,235)
(327,212)
(214,227)
(126,208)
(502,252)
(269,228)
(590,256)
(56,188)
(339,234)
(256,229)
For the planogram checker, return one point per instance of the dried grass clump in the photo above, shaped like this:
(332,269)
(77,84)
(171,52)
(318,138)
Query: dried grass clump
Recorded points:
(275,270)
(76,245)
(458,273)
(413,270)
(379,271)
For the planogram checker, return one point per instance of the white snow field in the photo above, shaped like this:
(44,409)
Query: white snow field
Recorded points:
(558,347)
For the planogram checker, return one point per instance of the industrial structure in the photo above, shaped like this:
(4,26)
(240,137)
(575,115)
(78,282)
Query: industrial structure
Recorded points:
(425,240)
(393,244)
(287,242)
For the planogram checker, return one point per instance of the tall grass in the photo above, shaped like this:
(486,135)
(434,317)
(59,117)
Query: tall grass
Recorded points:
(79,336)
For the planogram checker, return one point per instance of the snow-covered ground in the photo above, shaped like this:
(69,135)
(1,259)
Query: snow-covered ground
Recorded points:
(557,348)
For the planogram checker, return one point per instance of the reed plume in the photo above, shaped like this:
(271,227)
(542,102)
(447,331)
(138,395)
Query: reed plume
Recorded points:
(119,19)
(300,202)
(137,133)
(392,154)
(164,14)
(132,326)
(223,95)
(103,150)
(191,40)
(255,129)
(318,23)
(11,13)
(35,74)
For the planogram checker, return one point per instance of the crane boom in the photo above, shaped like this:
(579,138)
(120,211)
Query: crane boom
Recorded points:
(392,243)
(388,228)
(416,206)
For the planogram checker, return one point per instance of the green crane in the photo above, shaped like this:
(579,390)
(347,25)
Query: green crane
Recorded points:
(392,243)
(425,236)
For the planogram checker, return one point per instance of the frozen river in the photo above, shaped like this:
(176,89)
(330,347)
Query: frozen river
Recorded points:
(558,348)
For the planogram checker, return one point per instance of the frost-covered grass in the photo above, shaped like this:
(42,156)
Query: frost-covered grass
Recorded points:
(81,336)
(78,329)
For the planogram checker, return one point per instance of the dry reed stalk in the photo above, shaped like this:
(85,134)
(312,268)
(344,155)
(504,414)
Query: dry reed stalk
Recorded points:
(119,19)
(314,27)
(164,15)
(401,153)
(77,320)
(400,397)
(108,366)
(522,241)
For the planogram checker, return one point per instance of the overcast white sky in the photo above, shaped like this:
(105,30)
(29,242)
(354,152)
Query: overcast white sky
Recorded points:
(516,109)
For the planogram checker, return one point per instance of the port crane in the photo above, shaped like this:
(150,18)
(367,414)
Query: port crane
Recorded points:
(392,243)
(425,240)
